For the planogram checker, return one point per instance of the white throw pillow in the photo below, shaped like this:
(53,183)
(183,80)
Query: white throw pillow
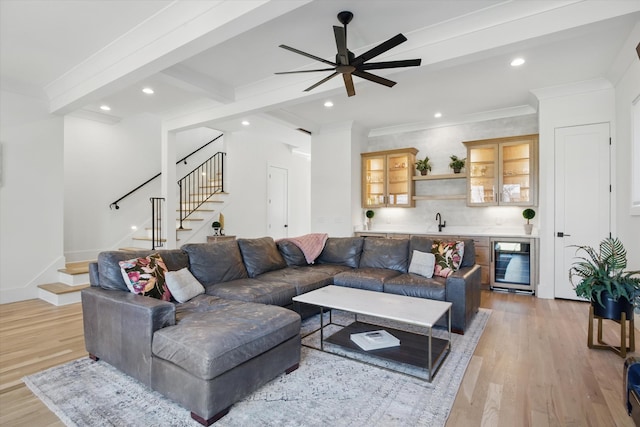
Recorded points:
(182,285)
(422,263)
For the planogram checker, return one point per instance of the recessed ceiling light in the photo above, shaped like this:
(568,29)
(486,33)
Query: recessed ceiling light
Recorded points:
(105,108)
(517,62)
(245,123)
(437,115)
(148,90)
(328,104)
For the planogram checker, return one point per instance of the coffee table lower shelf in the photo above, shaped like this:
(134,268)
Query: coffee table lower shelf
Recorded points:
(413,349)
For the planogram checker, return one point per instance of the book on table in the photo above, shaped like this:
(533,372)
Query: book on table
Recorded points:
(375,340)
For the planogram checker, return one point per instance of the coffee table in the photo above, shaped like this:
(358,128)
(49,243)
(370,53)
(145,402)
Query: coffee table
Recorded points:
(424,351)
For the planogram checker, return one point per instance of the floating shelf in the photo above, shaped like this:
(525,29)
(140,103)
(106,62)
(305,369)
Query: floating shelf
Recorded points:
(442,197)
(443,176)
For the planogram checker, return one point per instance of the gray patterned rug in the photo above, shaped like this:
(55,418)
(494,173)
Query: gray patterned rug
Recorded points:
(326,390)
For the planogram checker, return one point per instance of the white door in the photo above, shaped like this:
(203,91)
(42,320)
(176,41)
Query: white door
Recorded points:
(582,195)
(278,201)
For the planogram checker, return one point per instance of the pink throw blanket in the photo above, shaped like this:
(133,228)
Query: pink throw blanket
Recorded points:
(311,245)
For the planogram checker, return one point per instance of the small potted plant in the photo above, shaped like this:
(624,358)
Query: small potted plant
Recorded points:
(603,281)
(456,163)
(528,214)
(369,214)
(216,227)
(423,166)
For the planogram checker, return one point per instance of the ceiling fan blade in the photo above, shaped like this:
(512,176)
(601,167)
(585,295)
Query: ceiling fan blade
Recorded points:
(348,84)
(380,49)
(390,64)
(305,71)
(308,55)
(374,78)
(341,44)
(321,81)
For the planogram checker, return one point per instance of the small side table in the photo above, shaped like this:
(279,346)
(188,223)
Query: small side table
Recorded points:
(622,350)
(213,239)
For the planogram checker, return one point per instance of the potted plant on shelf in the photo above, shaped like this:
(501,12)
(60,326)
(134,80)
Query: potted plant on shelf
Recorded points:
(528,214)
(604,282)
(216,227)
(456,163)
(369,214)
(423,166)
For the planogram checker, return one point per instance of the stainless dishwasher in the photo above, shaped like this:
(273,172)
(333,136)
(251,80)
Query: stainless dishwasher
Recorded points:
(511,267)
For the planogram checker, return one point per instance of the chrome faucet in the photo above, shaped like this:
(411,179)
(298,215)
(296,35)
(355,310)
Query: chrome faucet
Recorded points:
(441,224)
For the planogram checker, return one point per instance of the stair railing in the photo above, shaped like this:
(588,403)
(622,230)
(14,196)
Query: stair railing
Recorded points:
(182,160)
(200,184)
(156,222)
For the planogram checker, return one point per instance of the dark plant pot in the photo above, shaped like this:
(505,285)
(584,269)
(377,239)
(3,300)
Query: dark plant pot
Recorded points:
(612,309)
(457,170)
(423,172)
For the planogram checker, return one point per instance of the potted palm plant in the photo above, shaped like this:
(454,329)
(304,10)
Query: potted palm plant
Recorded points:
(423,166)
(601,278)
(456,163)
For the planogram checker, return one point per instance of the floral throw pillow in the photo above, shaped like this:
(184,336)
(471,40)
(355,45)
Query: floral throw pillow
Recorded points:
(448,257)
(145,276)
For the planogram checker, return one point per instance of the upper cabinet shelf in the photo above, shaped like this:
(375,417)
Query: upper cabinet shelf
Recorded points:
(386,178)
(503,171)
(443,176)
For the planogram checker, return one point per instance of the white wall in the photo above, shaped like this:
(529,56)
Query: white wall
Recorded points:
(31,196)
(573,105)
(439,144)
(335,179)
(628,226)
(248,156)
(102,163)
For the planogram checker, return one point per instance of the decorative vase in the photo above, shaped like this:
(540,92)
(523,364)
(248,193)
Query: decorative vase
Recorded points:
(367,224)
(612,309)
(528,228)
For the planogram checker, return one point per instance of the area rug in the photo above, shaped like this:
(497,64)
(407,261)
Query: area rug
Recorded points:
(327,389)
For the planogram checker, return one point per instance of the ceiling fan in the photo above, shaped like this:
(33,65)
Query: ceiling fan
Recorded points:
(350,65)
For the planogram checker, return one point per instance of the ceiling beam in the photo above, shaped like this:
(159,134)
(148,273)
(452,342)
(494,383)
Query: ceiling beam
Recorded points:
(177,32)
(194,81)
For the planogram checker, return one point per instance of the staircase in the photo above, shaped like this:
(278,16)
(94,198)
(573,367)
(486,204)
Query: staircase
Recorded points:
(73,278)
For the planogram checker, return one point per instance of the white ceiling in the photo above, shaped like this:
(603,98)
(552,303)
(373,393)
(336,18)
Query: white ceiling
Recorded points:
(465,46)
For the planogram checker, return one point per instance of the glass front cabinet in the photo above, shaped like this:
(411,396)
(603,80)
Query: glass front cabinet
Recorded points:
(503,171)
(387,178)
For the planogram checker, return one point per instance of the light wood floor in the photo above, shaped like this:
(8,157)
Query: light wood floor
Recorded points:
(532,366)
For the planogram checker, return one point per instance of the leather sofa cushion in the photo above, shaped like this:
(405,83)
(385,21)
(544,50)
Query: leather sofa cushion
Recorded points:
(214,335)
(304,279)
(385,253)
(371,279)
(342,251)
(413,285)
(469,256)
(260,255)
(215,262)
(254,290)
(110,275)
(291,253)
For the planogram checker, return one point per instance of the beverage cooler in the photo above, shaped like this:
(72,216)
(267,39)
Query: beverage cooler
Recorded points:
(511,266)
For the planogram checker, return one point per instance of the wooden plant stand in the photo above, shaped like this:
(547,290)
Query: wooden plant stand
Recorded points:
(622,349)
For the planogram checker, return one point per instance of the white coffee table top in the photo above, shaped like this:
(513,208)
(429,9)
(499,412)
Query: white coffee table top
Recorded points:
(415,311)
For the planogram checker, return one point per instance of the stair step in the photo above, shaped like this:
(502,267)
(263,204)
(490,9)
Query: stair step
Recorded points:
(60,293)
(59,288)
(133,249)
(148,239)
(199,210)
(177,229)
(78,267)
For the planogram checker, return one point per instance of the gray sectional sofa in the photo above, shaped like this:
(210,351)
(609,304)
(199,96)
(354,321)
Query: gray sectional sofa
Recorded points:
(211,351)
